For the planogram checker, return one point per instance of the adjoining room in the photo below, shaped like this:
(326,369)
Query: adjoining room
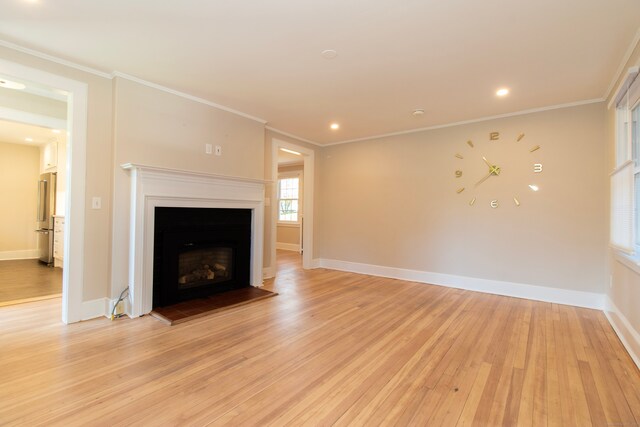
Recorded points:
(33,147)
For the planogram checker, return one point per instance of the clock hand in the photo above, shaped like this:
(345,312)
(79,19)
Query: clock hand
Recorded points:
(492,168)
(487,162)
(484,179)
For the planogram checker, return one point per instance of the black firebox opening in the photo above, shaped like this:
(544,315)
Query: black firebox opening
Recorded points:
(199,252)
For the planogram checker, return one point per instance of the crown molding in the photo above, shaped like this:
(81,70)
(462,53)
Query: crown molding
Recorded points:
(621,67)
(185,95)
(466,122)
(55,59)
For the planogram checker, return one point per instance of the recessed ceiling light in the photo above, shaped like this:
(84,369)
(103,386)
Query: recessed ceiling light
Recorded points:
(502,92)
(286,150)
(11,85)
(418,112)
(56,130)
(28,139)
(335,126)
(329,54)
(534,187)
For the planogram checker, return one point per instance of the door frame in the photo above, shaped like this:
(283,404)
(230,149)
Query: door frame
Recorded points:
(77,107)
(308,156)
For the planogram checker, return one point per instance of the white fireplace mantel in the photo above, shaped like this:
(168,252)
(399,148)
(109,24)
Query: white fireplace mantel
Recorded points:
(153,187)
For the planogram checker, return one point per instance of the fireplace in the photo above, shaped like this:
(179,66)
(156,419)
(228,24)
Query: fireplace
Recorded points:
(199,252)
(155,187)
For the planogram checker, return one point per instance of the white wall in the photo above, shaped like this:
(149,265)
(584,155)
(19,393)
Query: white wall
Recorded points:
(393,202)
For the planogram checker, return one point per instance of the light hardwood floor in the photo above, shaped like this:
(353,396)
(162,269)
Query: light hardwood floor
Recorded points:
(28,279)
(332,348)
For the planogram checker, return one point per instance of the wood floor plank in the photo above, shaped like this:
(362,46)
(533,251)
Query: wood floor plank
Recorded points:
(473,399)
(552,375)
(333,348)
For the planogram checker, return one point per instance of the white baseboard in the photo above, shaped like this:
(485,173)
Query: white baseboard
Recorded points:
(316,263)
(268,272)
(628,335)
(518,290)
(288,246)
(22,254)
(95,308)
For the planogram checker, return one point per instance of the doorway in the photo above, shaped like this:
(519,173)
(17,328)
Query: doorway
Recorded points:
(75,94)
(32,158)
(292,207)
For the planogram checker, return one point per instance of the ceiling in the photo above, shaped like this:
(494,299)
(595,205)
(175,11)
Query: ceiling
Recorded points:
(16,133)
(264,58)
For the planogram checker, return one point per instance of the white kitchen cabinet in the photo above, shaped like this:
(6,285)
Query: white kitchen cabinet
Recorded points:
(50,156)
(58,241)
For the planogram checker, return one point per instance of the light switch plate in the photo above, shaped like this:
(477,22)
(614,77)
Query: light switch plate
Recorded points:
(218,150)
(208,148)
(96,203)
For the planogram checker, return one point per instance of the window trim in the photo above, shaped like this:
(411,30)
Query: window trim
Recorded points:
(285,175)
(630,261)
(623,97)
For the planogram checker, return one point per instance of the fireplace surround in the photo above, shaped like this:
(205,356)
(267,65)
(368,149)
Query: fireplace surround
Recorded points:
(153,187)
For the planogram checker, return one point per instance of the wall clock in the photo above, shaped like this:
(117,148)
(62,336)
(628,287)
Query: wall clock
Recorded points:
(501,161)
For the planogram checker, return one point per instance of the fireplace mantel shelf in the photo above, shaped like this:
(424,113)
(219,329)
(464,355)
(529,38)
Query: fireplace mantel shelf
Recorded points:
(129,166)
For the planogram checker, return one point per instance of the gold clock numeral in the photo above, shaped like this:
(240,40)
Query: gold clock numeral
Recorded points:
(458,155)
(458,174)
(537,147)
(472,201)
(460,190)
(470,143)
(516,201)
(494,204)
(520,137)
(494,136)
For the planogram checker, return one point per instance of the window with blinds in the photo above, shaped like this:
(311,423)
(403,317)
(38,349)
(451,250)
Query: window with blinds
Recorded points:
(625,179)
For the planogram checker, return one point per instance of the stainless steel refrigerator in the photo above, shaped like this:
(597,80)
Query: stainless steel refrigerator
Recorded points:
(46,210)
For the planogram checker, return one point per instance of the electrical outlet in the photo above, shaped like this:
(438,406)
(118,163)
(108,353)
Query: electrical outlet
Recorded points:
(208,148)
(119,308)
(218,150)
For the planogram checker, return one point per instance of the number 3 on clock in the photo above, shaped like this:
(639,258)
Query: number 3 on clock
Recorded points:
(537,167)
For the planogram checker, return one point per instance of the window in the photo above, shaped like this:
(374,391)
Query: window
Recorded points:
(625,179)
(288,199)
